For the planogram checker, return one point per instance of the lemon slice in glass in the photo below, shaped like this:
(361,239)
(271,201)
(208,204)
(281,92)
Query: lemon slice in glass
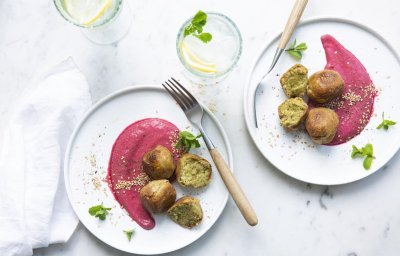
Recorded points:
(195,62)
(87,12)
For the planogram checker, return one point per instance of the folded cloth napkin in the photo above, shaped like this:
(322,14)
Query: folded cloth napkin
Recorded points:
(34,207)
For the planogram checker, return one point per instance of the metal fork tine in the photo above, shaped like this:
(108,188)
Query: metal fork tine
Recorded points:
(195,113)
(176,98)
(186,91)
(186,98)
(179,94)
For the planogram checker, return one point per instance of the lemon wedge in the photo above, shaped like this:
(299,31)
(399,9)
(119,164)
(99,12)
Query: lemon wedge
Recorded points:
(195,62)
(87,12)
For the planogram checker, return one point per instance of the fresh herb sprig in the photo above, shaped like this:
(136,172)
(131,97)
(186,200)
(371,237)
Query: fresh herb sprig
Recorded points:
(187,141)
(129,234)
(99,211)
(296,51)
(385,123)
(195,27)
(367,152)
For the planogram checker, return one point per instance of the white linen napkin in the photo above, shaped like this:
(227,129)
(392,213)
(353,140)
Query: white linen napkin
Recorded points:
(34,207)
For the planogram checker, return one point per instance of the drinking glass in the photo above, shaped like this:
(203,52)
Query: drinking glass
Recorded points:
(212,61)
(110,24)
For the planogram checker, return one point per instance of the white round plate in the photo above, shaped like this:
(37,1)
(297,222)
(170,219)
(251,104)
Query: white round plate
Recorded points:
(86,166)
(294,153)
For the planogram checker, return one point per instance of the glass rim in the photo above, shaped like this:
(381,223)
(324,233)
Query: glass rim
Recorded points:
(68,17)
(199,73)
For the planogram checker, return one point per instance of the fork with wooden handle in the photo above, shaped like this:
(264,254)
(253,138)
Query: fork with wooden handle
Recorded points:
(194,112)
(291,24)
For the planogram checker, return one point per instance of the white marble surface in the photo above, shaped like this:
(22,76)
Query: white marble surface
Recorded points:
(295,218)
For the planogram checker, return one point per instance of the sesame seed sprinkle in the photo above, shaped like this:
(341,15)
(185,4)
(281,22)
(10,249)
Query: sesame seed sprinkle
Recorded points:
(141,180)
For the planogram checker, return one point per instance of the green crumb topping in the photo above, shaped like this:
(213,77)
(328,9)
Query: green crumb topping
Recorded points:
(294,81)
(292,112)
(194,171)
(186,212)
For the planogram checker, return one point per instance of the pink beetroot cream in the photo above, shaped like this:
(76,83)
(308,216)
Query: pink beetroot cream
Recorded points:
(125,174)
(356,104)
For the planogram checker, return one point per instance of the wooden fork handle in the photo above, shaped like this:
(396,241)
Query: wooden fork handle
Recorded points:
(234,188)
(294,18)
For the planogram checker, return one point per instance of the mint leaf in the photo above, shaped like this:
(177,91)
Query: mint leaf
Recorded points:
(296,51)
(205,37)
(99,211)
(385,123)
(187,141)
(129,234)
(295,54)
(388,122)
(355,152)
(200,18)
(301,47)
(93,210)
(187,135)
(188,30)
(367,162)
(367,152)
(195,144)
(195,27)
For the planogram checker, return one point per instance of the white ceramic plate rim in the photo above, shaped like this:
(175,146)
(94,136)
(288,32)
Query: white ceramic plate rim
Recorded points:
(249,120)
(104,101)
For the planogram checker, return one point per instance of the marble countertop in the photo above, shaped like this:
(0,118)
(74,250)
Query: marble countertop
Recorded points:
(295,218)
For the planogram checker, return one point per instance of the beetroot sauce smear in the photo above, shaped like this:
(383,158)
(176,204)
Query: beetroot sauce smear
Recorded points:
(125,175)
(356,104)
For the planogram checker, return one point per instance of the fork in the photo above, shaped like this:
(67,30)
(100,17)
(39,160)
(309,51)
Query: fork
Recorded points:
(194,112)
(291,23)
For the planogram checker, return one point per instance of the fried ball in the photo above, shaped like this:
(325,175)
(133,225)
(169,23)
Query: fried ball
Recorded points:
(193,171)
(322,124)
(292,112)
(325,85)
(294,81)
(158,196)
(158,163)
(186,212)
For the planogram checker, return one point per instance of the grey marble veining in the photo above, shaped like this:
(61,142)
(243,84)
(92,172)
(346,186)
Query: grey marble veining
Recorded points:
(295,218)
